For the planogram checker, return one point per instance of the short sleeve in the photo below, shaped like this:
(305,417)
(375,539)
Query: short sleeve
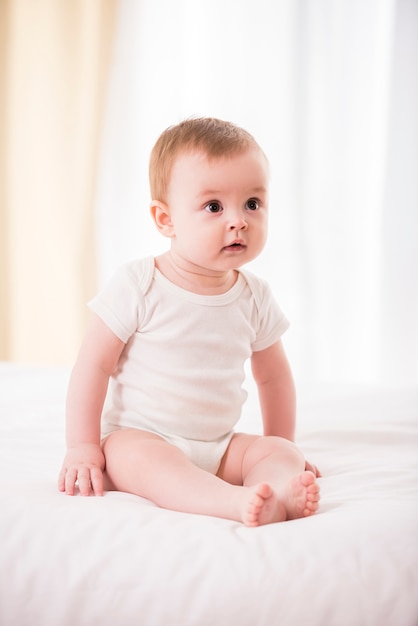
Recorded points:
(120,304)
(270,323)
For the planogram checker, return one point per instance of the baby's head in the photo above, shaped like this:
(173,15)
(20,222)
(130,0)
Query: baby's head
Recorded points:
(213,137)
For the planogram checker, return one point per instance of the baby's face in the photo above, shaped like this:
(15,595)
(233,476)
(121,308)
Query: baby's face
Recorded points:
(218,209)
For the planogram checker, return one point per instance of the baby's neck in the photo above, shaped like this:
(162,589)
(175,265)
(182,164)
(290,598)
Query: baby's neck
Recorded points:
(195,278)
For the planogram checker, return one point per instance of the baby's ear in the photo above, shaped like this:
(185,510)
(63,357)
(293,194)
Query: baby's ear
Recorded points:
(161,216)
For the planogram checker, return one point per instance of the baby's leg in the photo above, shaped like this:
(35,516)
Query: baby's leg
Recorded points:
(144,464)
(279,464)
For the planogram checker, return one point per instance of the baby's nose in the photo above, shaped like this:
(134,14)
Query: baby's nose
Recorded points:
(238,222)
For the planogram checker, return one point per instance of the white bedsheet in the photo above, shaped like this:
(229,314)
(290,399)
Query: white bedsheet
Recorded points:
(121,561)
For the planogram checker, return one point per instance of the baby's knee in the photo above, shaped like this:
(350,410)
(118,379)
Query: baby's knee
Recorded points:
(280,446)
(273,452)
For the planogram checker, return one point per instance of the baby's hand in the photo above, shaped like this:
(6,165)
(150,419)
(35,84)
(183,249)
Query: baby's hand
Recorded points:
(312,468)
(84,465)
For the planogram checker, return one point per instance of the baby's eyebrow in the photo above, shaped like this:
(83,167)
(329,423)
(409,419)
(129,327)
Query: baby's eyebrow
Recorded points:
(210,192)
(258,190)
(217,192)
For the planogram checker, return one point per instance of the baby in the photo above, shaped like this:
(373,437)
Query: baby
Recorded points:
(172,335)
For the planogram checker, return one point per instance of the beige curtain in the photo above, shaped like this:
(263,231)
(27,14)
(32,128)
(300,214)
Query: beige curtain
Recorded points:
(54,59)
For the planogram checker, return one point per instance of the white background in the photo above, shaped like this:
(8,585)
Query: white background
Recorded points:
(329,90)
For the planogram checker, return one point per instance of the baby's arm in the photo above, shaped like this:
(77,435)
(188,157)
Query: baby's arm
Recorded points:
(97,360)
(276,390)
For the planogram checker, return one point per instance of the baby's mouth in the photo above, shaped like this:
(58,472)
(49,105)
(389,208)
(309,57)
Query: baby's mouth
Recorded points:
(236,246)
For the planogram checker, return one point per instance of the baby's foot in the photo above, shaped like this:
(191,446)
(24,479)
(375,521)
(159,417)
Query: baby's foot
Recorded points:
(263,506)
(300,499)
(302,496)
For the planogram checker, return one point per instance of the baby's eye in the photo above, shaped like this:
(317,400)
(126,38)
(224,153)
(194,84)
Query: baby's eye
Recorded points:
(213,207)
(252,204)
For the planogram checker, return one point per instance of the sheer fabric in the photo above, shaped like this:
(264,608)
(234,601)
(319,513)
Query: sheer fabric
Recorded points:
(330,91)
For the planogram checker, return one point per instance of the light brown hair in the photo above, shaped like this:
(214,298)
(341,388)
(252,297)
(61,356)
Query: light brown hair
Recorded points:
(216,138)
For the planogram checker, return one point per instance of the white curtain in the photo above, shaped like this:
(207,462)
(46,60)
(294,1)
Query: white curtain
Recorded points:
(329,89)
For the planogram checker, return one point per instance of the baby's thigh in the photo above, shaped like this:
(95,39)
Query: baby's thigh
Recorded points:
(230,468)
(127,453)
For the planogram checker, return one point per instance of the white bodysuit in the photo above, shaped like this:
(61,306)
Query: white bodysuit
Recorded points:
(181,372)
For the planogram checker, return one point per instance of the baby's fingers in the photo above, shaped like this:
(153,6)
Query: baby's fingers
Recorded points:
(67,480)
(83,479)
(96,480)
(313,468)
(90,479)
(61,480)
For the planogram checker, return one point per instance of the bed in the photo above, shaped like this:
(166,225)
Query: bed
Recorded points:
(121,561)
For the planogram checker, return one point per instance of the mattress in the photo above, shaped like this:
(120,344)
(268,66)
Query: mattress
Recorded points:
(122,561)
